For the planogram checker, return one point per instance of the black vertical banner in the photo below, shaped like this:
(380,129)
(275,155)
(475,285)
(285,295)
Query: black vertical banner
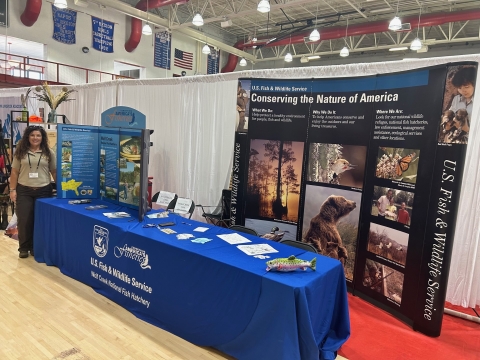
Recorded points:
(240,153)
(367,170)
(239,177)
(444,197)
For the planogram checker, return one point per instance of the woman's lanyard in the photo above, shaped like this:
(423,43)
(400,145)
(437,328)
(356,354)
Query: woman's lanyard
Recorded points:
(33,175)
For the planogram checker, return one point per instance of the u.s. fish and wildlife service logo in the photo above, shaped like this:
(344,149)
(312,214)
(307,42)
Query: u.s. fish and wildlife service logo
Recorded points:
(100,240)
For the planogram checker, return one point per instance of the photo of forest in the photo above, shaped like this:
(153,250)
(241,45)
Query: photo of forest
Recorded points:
(388,243)
(337,164)
(274,175)
(384,280)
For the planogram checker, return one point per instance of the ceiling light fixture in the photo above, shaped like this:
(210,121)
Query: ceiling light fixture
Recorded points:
(417,43)
(61,4)
(315,35)
(289,57)
(398,48)
(380,10)
(147,30)
(206,50)
(313,57)
(396,23)
(243,62)
(263,6)
(344,52)
(197,20)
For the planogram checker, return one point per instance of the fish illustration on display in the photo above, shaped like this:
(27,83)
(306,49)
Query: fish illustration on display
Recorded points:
(291,264)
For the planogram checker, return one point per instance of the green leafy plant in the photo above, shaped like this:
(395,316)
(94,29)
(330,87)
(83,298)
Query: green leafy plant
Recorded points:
(44,93)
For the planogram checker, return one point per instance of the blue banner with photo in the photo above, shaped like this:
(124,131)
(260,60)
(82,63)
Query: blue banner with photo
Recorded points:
(163,50)
(213,61)
(64,23)
(102,32)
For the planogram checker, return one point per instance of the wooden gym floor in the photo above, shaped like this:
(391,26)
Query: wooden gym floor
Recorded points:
(47,315)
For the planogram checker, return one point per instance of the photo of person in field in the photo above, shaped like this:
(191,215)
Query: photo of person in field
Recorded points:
(384,280)
(388,243)
(392,204)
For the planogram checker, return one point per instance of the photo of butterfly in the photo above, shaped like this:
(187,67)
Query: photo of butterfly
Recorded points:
(397,164)
(404,163)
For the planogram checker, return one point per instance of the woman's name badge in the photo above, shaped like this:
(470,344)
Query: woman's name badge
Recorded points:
(33,175)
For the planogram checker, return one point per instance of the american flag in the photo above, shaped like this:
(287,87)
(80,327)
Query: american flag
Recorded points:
(183,59)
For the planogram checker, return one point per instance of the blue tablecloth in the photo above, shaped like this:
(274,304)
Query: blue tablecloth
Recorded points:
(210,294)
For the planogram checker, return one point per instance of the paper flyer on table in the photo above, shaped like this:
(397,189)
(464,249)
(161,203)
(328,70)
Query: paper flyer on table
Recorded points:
(200,229)
(257,249)
(234,238)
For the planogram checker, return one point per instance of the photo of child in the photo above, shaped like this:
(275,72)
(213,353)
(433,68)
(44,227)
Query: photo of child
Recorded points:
(457,104)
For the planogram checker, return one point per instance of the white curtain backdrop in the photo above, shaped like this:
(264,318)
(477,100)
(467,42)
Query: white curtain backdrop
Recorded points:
(194,122)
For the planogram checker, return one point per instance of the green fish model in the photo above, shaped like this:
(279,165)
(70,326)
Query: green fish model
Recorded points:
(291,264)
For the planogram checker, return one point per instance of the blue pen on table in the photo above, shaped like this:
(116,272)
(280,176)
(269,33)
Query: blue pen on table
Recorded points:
(186,223)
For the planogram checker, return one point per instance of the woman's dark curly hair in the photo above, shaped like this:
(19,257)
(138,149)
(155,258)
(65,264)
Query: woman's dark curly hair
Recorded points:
(22,147)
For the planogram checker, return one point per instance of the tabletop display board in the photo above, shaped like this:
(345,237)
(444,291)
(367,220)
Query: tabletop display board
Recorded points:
(108,163)
(367,169)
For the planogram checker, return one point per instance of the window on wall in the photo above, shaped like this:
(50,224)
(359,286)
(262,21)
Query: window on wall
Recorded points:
(36,75)
(129,70)
(22,58)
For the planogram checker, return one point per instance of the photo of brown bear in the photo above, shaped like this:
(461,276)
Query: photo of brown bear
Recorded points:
(330,223)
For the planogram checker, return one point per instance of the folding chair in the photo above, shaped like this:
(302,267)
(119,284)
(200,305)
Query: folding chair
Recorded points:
(299,245)
(189,212)
(243,229)
(172,203)
(221,214)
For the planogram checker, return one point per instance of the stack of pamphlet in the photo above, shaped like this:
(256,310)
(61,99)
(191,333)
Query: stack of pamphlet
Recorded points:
(115,215)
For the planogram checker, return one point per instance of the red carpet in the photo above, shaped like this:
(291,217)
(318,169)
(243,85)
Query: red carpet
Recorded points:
(375,334)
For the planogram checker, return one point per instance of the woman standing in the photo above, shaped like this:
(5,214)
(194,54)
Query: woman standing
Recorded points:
(32,165)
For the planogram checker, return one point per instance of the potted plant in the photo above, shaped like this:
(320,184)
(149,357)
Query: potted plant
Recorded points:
(44,93)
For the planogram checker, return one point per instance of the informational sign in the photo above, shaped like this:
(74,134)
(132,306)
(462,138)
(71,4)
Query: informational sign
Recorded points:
(102,32)
(213,61)
(101,162)
(162,50)
(110,164)
(64,25)
(123,117)
(364,172)
(165,198)
(77,154)
(4,13)
(182,206)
